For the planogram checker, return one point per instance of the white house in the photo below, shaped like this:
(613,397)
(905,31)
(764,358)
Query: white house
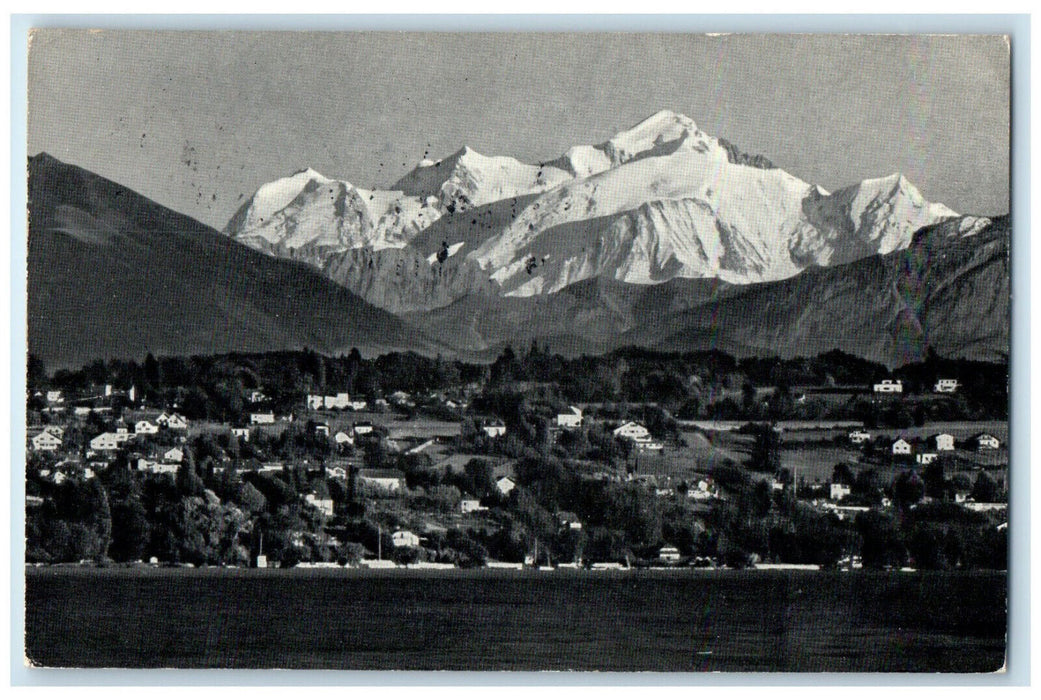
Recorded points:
(174,454)
(569,520)
(944,442)
(889,386)
(177,422)
(357,405)
(648,444)
(110,441)
(404,538)
(241,433)
(363,428)
(324,505)
(987,442)
(157,467)
(143,427)
(669,553)
(56,431)
(426,444)
(262,418)
(839,491)
(901,447)
(343,438)
(494,429)
(946,386)
(45,442)
(257,396)
(387,480)
(338,401)
(571,419)
(631,431)
(321,429)
(55,397)
(505,485)
(859,436)
(702,491)
(925,457)
(400,397)
(470,505)
(162,419)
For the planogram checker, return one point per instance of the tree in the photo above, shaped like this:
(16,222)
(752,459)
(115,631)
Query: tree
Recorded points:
(842,474)
(761,498)
(866,488)
(985,490)
(881,543)
(765,455)
(153,373)
(469,552)
(97,515)
(351,553)
(908,489)
(926,545)
(607,545)
(131,528)
(188,481)
(480,477)
(935,480)
(251,499)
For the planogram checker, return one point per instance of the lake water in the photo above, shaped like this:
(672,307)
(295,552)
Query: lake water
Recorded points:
(508,620)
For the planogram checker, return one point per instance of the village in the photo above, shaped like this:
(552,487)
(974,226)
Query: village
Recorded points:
(500,473)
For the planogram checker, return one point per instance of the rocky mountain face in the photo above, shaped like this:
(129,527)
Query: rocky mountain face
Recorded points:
(949,290)
(660,201)
(112,274)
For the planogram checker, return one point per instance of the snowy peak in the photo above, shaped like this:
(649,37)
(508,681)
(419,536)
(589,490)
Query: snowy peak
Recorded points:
(885,212)
(308,216)
(277,195)
(662,132)
(468,179)
(657,201)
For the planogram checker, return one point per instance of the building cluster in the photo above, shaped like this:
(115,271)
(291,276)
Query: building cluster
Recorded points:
(896,386)
(927,449)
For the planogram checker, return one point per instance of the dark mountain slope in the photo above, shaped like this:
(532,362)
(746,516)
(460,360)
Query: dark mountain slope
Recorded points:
(588,317)
(947,291)
(113,274)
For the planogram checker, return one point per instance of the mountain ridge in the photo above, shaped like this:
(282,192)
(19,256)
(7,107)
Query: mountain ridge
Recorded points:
(948,292)
(112,274)
(659,200)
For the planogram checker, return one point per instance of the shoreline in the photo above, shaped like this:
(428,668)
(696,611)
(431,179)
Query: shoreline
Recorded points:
(529,572)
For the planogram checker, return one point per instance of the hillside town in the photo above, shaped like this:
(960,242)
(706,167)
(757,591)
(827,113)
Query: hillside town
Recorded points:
(631,460)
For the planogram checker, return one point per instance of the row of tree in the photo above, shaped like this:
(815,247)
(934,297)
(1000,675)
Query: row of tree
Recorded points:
(690,385)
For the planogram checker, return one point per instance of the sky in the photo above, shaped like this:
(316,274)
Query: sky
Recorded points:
(197,121)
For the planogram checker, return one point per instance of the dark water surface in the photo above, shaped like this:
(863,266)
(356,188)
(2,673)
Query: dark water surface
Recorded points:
(510,620)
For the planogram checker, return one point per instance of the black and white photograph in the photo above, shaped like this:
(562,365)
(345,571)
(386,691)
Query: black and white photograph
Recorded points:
(517,351)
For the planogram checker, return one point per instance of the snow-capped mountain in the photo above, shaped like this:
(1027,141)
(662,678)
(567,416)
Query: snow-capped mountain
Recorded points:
(309,216)
(659,201)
